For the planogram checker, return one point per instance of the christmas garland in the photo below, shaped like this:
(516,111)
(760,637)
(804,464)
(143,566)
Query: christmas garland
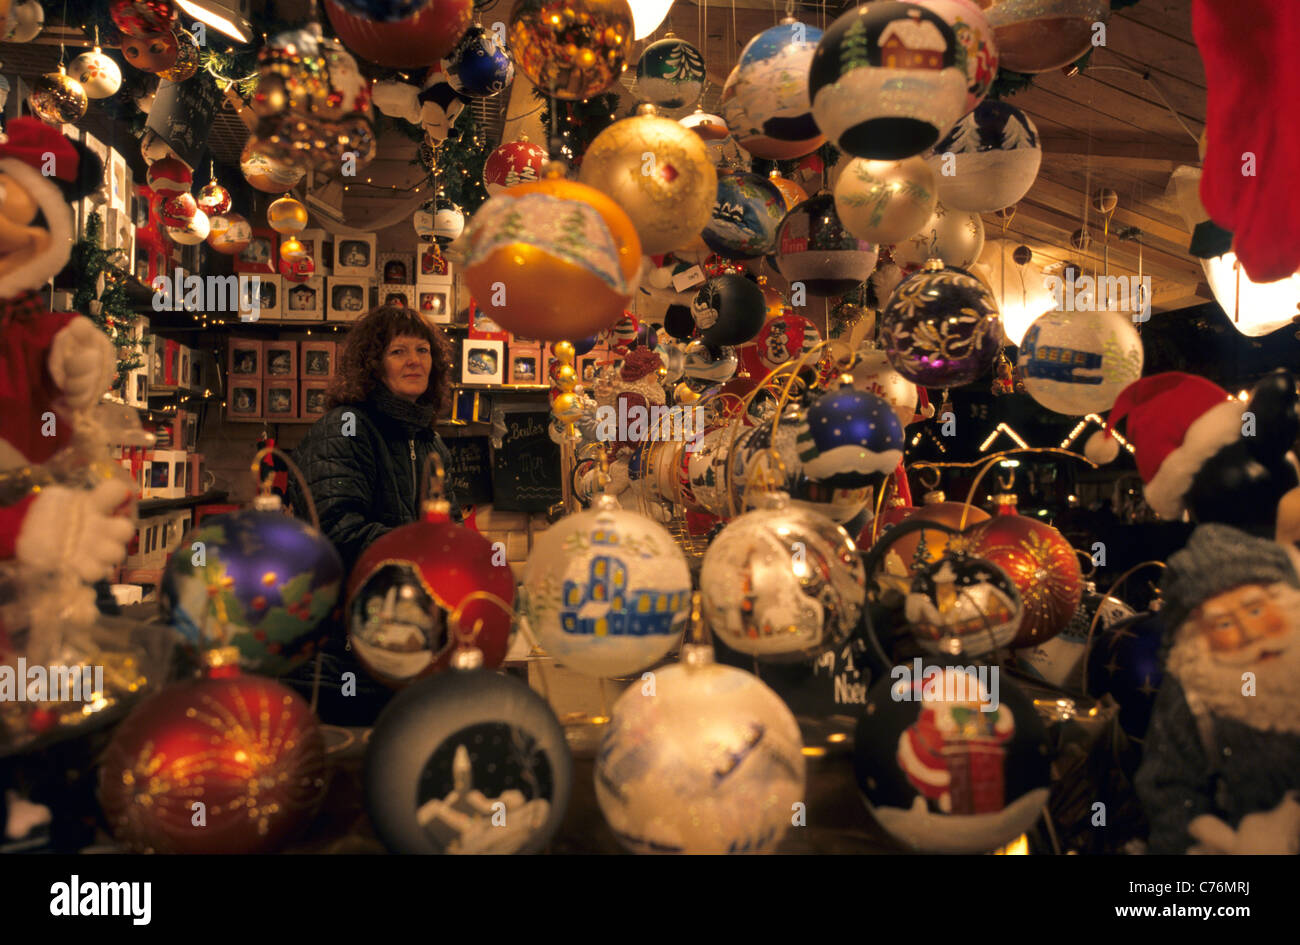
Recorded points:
(110,309)
(576,123)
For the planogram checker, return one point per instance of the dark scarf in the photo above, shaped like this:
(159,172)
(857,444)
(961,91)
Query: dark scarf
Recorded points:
(412,418)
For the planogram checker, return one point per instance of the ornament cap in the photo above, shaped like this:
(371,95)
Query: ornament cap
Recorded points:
(933,264)
(933,497)
(647,109)
(268,502)
(221,662)
(467,658)
(436,510)
(697,654)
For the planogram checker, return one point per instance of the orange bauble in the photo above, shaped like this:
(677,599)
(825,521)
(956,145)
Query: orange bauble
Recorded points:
(791,192)
(903,551)
(418,40)
(552,259)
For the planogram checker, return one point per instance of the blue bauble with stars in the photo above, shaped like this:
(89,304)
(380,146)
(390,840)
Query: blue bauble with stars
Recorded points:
(853,439)
(1125,662)
(479,66)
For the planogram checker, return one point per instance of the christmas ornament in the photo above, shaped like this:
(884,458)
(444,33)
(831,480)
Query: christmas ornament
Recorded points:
(1076,363)
(746,216)
(264,583)
(814,249)
(407,585)
(469,761)
(448,221)
(709,364)
(168,177)
(1043,35)
(440,105)
(1043,566)
(313,104)
(709,761)
(178,209)
(782,583)
(941,328)
(420,39)
(142,17)
(988,160)
(962,606)
(950,761)
(728,310)
(1060,660)
(266,173)
(791,193)
(704,476)
(954,236)
(213,199)
(514,162)
(549,242)
(765,99)
(976,38)
(885,201)
(886,81)
(781,339)
(247,749)
(57,98)
(904,552)
(229,233)
(291,250)
(659,173)
(873,373)
(1125,661)
(187,58)
(724,151)
(479,67)
(575,52)
(606,592)
(670,73)
(99,75)
(287,215)
(384,11)
(24,22)
(296,270)
(193,231)
(152,52)
(852,439)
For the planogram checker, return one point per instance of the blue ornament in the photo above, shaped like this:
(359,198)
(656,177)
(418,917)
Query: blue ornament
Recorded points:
(1125,662)
(852,439)
(746,216)
(384,11)
(479,66)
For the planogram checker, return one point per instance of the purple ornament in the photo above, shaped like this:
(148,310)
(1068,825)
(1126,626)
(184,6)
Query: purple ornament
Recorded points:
(852,439)
(941,328)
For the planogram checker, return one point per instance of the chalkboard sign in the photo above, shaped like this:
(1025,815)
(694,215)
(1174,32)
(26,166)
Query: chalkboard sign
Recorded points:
(470,473)
(182,114)
(835,683)
(526,466)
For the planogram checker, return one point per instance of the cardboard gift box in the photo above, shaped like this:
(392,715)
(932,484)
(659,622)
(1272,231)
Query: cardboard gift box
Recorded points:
(244,402)
(311,402)
(280,399)
(280,360)
(166,474)
(316,360)
(244,360)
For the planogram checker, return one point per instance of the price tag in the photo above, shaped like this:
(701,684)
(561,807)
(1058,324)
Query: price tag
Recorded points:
(688,278)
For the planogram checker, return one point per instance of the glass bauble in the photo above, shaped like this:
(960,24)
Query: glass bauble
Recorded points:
(728,310)
(420,39)
(961,605)
(287,215)
(187,58)
(853,439)
(574,51)
(988,160)
(99,75)
(746,215)
(152,52)
(479,67)
(954,236)
(976,37)
(1043,35)
(1076,363)
(213,199)
(873,373)
(58,99)
(193,231)
(670,73)
(514,162)
(229,233)
(815,249)
(941,328)
(142,17)
(266,173)
(885,201)
(765,99)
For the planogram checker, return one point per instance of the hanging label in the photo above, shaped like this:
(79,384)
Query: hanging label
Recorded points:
(688,278)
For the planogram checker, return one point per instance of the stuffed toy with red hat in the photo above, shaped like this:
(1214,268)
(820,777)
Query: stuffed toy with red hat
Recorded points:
(1202,451)
(54,367)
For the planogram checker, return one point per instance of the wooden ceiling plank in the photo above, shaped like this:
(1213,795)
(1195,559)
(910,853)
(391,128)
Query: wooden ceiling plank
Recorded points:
(1140,118)
(1061,197)
(1143,195)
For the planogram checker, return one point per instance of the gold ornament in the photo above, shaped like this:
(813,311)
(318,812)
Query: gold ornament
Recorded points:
(885,201)
(187,58)
(287,215)
(571,50)
(266,173)
(564,350)
(1046,35)
(58,99)
(291,250)
(659,173)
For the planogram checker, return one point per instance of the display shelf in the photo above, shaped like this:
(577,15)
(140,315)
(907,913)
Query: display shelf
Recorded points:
(155,506)
(141,576)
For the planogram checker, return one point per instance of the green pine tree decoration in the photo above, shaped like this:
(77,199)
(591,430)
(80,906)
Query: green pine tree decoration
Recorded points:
(110,309)
(456,164)
(576,124)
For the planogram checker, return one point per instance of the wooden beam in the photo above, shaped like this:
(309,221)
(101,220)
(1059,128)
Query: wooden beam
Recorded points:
(1066,199)
(1131,152)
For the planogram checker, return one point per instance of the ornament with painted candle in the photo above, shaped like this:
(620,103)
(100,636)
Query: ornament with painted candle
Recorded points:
(1044,35)
(606,591)
(229,233)
(961,606)
(988,160)
(56,98)
(213,199)
(976,38)
(746,216)
(193,231)
(1076,363)
(815,249)
(575,55)
(419,39)
(152,52)
(287,215)
(658,780)
(479,67)
(955,236)
(98,74)
(670,73)
(941,328)
(853,438)
(885,201)
(765,99)
(514,162)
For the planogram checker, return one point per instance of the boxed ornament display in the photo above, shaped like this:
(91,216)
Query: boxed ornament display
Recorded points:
(317,359)
(526,364)
(244,360)
(280,359)
(396,268)
(311,399)
(166,474)
(347,299)
(261,255)
(436,301)
(354,255)
(244,402)
(398,295)
(482,361)
(305,301)
(313,241)
(280,399)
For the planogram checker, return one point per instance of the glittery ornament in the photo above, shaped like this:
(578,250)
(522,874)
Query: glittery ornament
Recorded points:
(213,199)
(514,162)
(886,81)
(98,74)
(245,748)
(976,38)
(571,52)
(962,606)
(287,215)
(885,201)
(151,52)
(420,39)
(852,439)
(1040,35)
(659,173)
(298,269)
(479,67)
(292,249)
(229,233)
(187,58)
(746,216)
(56,98)
(814,249)
(954,236)
(765,99)
(670,73)
(941,328)
(1076,363)
(177,210)
(988,160)
(709,762)
(265,172)
(142,17)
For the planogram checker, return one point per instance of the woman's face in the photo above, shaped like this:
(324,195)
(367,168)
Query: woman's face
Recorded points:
(407,364)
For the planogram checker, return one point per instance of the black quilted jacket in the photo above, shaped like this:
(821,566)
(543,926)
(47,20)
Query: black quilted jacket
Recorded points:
(364,475)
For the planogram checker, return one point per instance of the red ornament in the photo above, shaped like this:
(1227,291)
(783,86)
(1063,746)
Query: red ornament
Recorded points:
(142,17)
(213,199)
(245,747)
(514,162)
(419,40)
(1040,562)
(298,270)
(169,176)
(179,210)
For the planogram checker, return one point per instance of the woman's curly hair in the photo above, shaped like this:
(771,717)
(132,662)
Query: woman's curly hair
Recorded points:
(361,362)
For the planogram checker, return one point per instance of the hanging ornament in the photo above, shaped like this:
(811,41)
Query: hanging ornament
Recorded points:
(1044,35)
(950,764)
(291,250)
(246,749)
(178,210)
(711,762)
(1043,566)
(781,339)
(98,74)
(962,606)
(605,591)
(514,162)
(1126,661)
(941,328)
(791,193)
(420,39)
(670,73)
(724,152)
(440,105)
(728,310)
(989,159)
(169,176)
(24,23)
(299,269)
(765,99)
(782,583)
(384,11)
(873,373)
(574,53)
(886,81)
(659,173)
(229,233)
(193,231)
(57,98)
(548,243)
(152,52)
(885,201)
(213,199)
(448,220)
(816,250)
(469,761)
(479,67)
(265,172)
(1059,660)
(927,546)
(976,38)
(852,439)
(142,17)
(746,216)
(287,215)
(187,58)
(954,236)
(313,104)
(1076,363)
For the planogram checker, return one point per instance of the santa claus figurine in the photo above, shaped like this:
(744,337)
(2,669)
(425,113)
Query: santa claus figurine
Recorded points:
(53,366)
(1220,771)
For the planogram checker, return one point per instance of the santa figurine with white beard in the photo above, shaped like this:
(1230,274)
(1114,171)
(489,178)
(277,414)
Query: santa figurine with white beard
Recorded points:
(1221,768)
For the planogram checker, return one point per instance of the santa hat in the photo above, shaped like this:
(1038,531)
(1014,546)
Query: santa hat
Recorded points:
(1176,422)
(638,363)
(29,150)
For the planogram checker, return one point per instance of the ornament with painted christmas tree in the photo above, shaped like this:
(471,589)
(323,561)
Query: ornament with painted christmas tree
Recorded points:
(287,215)
(574,53)
(1044,35)
(955,236)
(420,39)
(1076,363)
(746,216)
(514,162)
(606,591)
(976,38)
(213,199)
(941,327)
(670,73)
(853,438)
(229,233)
(885,201)
(56,98)
(765,99)
(816,250)
(479,66)
(99,75)
(988,160)
(706,760)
